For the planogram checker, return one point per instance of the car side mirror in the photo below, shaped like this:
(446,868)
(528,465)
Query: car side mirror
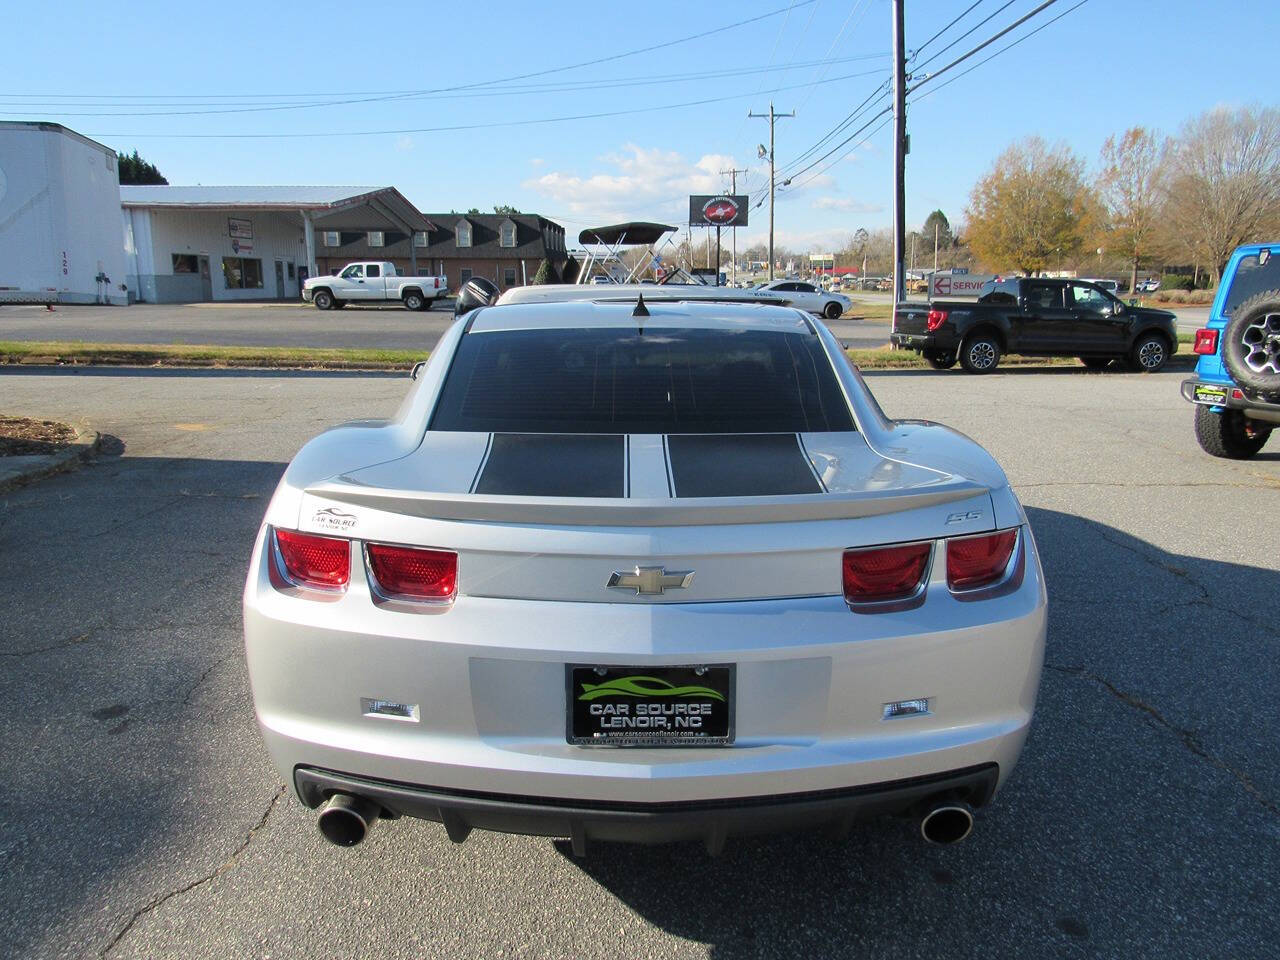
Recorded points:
(476,292)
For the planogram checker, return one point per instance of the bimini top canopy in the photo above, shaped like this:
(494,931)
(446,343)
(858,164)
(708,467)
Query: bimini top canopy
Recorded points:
(637,233)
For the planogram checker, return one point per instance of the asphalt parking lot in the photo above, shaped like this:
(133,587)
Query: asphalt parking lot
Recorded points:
(142,818)
(278,325)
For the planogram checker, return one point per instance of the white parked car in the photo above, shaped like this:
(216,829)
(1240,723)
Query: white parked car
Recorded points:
(373,282)
(807,296)
(644,572)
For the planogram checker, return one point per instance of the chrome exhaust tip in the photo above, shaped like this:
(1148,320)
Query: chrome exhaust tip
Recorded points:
(346,820)
(947,823)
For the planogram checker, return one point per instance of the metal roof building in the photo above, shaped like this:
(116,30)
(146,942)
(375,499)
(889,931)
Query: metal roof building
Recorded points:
(190,243)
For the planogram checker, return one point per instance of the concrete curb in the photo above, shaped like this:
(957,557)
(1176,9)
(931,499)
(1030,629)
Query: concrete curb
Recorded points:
(19,471)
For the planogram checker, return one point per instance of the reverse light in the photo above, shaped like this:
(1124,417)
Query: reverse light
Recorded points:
(978,561)
(936,319)
(1206,341)
(322,563)
(880,574)
(413,573)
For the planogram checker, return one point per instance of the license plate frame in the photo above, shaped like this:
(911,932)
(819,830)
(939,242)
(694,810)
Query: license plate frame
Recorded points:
(637,694)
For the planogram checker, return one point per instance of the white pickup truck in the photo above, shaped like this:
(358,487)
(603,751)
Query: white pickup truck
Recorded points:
(373,282)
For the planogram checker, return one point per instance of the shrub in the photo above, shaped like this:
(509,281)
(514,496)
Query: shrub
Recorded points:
(544,274)
(1178,281)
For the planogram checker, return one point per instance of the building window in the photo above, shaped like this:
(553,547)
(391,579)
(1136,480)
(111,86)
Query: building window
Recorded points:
(420,238)
(242,273)
(332,239)
(424,271)
(463,234)
(291,274)
(509,276)
(185,263)
(507,234)
(463,276)
(376,238)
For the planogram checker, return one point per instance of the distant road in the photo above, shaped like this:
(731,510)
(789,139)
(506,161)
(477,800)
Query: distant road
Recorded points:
(276,324)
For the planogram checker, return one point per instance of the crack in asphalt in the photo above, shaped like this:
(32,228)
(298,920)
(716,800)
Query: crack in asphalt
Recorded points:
(213,874)
(186,699)
(1182,573)
(1188,738)
(59,645)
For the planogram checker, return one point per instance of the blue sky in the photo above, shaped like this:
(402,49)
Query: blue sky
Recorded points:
(1108,65)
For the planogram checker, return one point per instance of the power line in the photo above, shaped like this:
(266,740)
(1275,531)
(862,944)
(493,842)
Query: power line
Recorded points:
(920,49)
(1010,46)
(985,43)
(558,87)
(313,134)
(981,23)
(532,74)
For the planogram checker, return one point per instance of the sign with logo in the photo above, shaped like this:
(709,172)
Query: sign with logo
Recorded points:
(957,284)
(650,706)
(242,246)
(718,210)
(239,229)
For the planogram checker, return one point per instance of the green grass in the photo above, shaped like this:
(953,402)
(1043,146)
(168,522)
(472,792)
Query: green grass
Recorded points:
(62,352)
(205,355)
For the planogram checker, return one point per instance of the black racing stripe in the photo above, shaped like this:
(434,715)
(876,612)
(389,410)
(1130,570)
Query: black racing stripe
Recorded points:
(555,465)
(740,465)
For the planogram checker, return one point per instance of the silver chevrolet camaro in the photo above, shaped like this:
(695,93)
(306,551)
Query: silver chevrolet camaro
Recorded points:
(639,571)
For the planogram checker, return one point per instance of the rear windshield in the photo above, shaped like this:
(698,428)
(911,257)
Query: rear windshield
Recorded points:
(623,381)
(1254,275)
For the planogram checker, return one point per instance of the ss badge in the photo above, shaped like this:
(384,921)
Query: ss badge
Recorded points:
(962,517)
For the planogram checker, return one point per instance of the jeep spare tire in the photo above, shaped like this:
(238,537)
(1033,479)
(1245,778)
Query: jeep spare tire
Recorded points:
(1251,344)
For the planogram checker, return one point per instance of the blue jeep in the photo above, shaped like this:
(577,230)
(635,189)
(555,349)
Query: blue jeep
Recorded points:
(1236,389)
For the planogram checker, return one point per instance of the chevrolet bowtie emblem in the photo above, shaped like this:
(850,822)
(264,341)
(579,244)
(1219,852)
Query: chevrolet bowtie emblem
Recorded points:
(651,580)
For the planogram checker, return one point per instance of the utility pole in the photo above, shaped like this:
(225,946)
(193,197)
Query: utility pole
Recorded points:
(900,148)
(733,189)
(772,117)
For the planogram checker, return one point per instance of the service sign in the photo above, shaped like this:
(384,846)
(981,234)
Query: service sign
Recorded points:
(718,210)
(957,284)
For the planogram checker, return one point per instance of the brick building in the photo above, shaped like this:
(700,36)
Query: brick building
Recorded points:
(506,249)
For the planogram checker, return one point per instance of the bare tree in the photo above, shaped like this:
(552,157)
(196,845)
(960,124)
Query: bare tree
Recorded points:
(1131,188)
(1224,182)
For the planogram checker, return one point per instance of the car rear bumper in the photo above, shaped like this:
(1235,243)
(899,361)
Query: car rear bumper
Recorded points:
(1217,394)
(711,822)
(924,341)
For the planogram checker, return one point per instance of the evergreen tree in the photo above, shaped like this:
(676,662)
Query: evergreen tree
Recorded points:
(134,171)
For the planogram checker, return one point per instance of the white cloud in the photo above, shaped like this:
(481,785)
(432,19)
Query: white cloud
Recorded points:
(536,161)
(846,204)
(635,183)
(404,144)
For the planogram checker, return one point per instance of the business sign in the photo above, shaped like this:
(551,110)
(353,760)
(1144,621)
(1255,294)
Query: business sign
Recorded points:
(957,284)
(718,210)
(239,229)
(242,246)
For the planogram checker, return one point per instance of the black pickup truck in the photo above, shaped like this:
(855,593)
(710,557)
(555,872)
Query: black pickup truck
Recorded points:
(1036,316)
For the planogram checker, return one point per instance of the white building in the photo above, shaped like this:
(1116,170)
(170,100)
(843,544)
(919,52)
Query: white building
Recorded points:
(59,217)
(186,244)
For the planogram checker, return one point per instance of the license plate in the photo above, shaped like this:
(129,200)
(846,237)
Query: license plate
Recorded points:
(1213,395)
(650,706)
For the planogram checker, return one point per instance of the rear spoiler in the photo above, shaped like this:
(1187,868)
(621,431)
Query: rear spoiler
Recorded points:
(626,512)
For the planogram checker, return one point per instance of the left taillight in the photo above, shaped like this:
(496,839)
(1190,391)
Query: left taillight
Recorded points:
(1206,341)
(884,574)
(413,573)
(306,560)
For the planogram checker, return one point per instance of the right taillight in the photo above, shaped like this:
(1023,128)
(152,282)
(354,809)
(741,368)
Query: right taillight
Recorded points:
(413,573)
(1206,341)
(879,574)
(974,562)
(322,563)
(936,319)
